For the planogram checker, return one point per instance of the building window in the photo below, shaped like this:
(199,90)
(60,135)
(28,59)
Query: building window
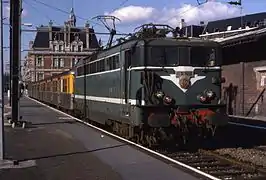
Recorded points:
(79,48)
(73,48)
(77,60)
(54,47)
(39,61)
(74,61)
(60,47)
(40,76)
(61,62)
(55,63)
(54,74)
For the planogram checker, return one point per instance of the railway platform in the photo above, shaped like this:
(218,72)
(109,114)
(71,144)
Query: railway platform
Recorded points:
(256,121)
(55,146)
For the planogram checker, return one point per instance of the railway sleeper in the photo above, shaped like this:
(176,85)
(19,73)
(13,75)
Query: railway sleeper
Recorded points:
(214,168)
(232,172)
(197,161)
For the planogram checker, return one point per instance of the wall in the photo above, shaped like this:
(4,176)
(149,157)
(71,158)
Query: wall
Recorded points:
(245,69)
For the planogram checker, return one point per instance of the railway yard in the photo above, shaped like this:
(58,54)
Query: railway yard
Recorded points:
(162,103)
(237,152)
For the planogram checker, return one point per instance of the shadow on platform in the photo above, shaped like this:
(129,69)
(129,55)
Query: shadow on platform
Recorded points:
(69,154)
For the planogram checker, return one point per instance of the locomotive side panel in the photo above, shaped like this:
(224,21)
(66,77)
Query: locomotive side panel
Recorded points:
(102,94)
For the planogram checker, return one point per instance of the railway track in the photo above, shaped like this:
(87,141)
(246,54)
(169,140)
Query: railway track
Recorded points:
(223,168)
(204,163)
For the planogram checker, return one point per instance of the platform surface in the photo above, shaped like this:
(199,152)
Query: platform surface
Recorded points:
(57,147)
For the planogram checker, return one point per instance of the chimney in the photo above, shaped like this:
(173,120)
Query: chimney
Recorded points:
(50,33)
(87,27)
(50,29)
(182,23)
(202,23)
(30,44)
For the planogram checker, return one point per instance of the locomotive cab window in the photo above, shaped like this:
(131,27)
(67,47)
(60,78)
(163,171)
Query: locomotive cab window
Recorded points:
(203,56)
(182,56)
(167,56)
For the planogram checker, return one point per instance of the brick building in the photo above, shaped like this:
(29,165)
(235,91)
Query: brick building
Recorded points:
(57,48)
(244,62)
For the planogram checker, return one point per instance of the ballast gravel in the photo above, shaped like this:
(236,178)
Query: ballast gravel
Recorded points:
(254,156)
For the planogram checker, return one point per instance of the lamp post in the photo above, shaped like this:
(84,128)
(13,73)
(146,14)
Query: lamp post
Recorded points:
(2,104)
(11,54)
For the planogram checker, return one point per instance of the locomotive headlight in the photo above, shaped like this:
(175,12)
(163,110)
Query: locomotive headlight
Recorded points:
(201,98)
(210,94)
(167,99)
(159,94)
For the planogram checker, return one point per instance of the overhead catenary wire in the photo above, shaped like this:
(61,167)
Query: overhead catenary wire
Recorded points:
(120,5)
(38,11)
(65,12)
(81,31)
(185,11)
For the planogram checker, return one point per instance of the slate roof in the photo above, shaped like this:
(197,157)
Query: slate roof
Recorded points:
(222,25)
(42,38)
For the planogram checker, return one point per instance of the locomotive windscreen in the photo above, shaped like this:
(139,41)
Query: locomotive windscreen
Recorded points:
(182,56)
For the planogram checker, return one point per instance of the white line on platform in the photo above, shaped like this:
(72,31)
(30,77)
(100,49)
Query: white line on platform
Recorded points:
(132,143)
(65,118)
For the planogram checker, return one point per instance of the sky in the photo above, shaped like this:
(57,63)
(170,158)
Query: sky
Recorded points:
(131,13)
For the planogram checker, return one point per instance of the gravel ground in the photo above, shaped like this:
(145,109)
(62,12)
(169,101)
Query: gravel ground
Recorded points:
(254,156)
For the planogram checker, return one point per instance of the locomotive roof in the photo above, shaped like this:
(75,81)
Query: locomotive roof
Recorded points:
(149,42)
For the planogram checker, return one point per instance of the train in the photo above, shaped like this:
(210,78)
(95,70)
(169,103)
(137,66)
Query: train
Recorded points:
(149,89)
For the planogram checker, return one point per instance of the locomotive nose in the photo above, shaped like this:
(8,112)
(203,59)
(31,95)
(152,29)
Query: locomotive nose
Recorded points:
(184,81)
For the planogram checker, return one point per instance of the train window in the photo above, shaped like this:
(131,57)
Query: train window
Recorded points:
(183,56)
(100,65)
(54,86)
(113,63)
(202,56)
(58,86)
(168,56)
(157,56)
(93,67)
(117,63)
(128,58)
(103,65)
(64,85)
(87,69)
(106,65)
(49,86)
(80,71)
(109,63)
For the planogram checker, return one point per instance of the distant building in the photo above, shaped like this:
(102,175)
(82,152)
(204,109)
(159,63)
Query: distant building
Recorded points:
(217,30)
(56,49)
